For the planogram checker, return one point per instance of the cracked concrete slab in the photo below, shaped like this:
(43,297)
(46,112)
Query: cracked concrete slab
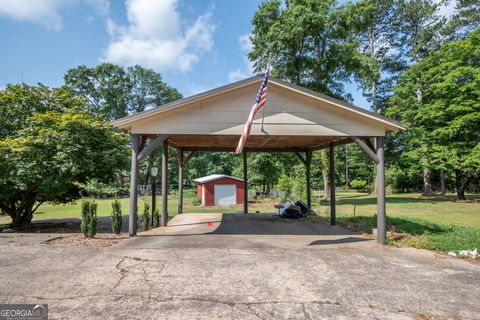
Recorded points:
(212,267)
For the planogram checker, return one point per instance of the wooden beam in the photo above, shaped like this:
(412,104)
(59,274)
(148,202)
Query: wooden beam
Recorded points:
(301,158)
(141,142)
(336,143)
(190,156)
(364,146)
(228,149)
(245,183)
(370,144)
(154,144)
(164,219)
(331,155)
(308,162)
(381,212)
(132,218)
(181,166)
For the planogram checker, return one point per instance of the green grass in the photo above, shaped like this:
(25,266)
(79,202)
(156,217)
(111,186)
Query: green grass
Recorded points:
(419,233)
(440,209)
(436,223)
(49,211)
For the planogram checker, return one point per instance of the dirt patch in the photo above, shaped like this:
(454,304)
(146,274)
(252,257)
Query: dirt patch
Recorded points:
(101,240)
(356,227)
(48,227)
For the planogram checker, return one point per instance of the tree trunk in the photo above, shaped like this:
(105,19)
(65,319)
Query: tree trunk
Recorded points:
(326,187)
(443,190)
(427,186)
(22,215)
(461,184)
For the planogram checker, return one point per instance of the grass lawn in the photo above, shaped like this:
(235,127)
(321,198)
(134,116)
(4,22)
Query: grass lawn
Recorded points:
(437,223)
(49,211)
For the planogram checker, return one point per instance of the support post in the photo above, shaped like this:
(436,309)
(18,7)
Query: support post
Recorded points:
(164,184)
(180,181)
(331,171)
(245,183)
(154,200)
(132,219)
(308,161)
(381,216)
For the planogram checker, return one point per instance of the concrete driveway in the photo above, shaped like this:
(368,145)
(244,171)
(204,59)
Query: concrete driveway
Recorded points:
(209,266)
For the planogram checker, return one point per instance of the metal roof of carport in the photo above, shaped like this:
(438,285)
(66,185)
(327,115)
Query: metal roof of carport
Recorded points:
(296,118)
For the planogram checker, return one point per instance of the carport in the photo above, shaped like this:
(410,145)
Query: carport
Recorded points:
(295,119)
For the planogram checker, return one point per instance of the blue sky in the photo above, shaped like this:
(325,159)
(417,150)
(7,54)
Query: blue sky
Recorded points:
(195,45)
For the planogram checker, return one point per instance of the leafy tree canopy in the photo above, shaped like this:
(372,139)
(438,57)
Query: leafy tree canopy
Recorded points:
(49,146)
(447,120)
(113,92)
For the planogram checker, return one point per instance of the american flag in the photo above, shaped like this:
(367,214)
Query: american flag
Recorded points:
(259,103)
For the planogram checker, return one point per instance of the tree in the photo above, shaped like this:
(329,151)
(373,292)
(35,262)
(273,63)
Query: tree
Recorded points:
(105,87)
(417,27)
(49,147)
(146,89)
(447,120)
(308,43)
(465,20)
(113,92)
(372,22)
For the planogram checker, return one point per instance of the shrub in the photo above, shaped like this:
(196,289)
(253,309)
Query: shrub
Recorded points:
(196,202)
(285,184)
(156,218)
(89,218)
(358,184)
(146,216)
(116,216)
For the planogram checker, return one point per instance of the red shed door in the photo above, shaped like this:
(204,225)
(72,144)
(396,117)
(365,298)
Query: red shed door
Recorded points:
(225,194)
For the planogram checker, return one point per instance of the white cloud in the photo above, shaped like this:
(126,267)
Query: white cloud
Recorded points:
(245,43)
(154,36)
(236,75)
(247,69)
(44,12)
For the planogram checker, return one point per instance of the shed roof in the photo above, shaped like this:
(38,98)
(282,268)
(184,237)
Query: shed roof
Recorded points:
(213,177)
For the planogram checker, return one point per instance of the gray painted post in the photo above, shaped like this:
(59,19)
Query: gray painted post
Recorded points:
(164,184)
(180,181)
(331,171)
(132,219)
(245,183)
(308,177)
(381,216)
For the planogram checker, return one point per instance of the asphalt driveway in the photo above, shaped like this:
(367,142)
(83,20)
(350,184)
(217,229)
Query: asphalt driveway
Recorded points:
(211,266)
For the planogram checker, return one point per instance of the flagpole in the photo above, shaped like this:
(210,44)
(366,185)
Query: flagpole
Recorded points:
(263,109)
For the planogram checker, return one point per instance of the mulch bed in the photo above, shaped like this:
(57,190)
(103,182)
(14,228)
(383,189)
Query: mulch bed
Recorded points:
(48,227)
(101,240)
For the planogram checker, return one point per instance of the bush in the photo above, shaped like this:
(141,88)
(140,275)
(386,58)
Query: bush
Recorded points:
(358,184)
(146,216)
(285,184)
(196,202)
(116,216)
(156,218)
(89,218)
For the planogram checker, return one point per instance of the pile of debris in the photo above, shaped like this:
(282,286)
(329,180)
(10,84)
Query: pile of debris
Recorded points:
(294,211)
(465,253)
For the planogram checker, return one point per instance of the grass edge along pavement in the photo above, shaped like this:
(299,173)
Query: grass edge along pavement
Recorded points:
(412,220)
(417,233)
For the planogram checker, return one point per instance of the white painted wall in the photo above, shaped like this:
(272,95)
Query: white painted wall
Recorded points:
(287,113)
